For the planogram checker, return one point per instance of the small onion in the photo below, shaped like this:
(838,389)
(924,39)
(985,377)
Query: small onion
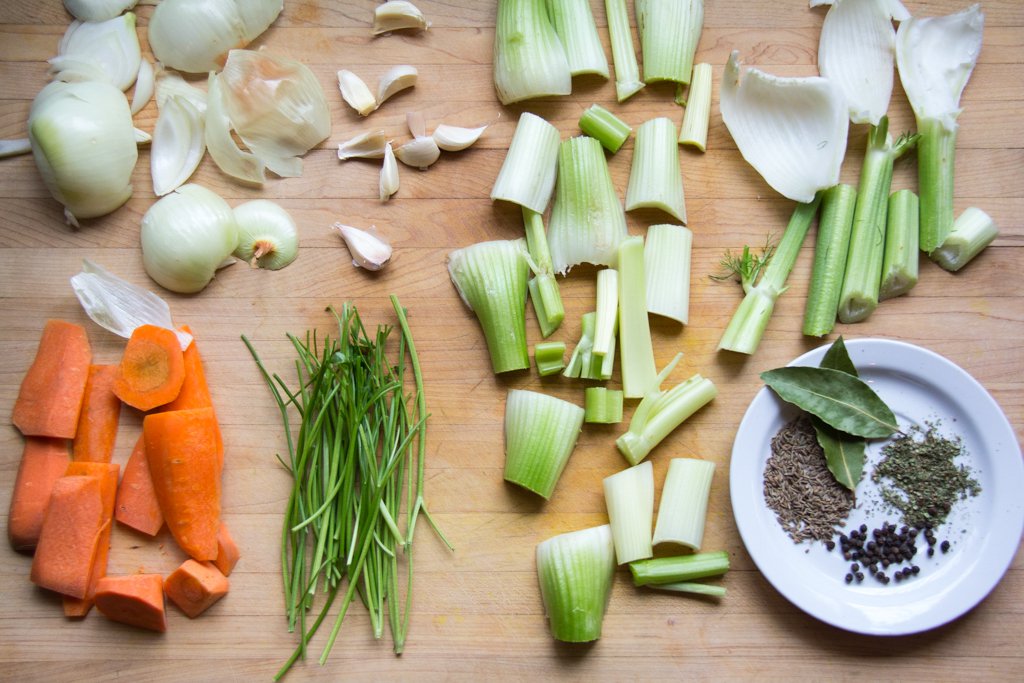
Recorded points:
(267,237)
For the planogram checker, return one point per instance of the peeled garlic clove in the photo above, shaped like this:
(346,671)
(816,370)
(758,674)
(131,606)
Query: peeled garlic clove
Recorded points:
(366,146)
(395,15)
(368,249)
(267,236)
(454,139)
(388,174)
(417,124)
(396,79)
(356,92)
(419,152)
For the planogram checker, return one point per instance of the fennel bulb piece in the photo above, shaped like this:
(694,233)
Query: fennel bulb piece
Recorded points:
(639,376)
(660,412)
(902,232)
(529,60)
(549,357)
(627,72)
(602,405)
(667,271)
(791,130)
(655,180)
(83,142)
(669,32)
(544,290)
(830,250)
(972,232)
(574,25)
(109,47)
(369,250)
(540,435)
(584,363)
(186,236)
(697,117)
(576,570)
(267,236)
(179,143)
(629,497)
(607,314)
(606,127)
(684,503)
(527,176)
(97,10)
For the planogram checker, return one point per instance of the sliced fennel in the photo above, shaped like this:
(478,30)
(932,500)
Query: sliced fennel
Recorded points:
(549,357)
(529,59)
(830,250)
(694,130)
(527,176)
(655,180)
(669,32)
(606,321)
(629,496)
(267,236)
(667,271)
(902,231)
(111,47)
(627,72)
(179,143)
(684,503)
(602,405)
(668,570)
(605,127)
(544,290)
(574,25)
(639,376)
(576,571)
(972,232)
(540,434)
(584,363)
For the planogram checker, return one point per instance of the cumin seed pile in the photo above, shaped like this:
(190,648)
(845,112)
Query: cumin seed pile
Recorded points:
(807,500)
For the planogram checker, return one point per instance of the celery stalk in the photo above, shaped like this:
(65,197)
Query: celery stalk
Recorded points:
(575,572)
(695,587)
(694,130)
(902,228)
(667,271)
(684,502)
(540,435)
(654,177)
(629,495)
(973,231)
(660,412)
(602,405)
(550,357)
(583,363)
(575,27)
(667,570)
(607,311)
(830,251)
(936,152)
(627,71)
(669,33)
(544,291)
(636,352)
(527,176)
(529,60)
(606,127)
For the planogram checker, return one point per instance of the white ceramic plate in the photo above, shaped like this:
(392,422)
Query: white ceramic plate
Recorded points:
(984,531)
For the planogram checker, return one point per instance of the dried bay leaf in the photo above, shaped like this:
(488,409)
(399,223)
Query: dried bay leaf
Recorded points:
(844,454)
(838,358)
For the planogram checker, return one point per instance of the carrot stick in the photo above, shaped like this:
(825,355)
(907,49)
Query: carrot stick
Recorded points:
(50,397)
(136,505)
(107,474)
(227,551)
(152,368)
(97,423)
(69,537)
(136,599)
(43,462)
(195,586)
(182,450)
(194,391)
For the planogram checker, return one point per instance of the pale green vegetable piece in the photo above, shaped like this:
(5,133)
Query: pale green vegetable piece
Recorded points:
(529,60)
(972,232)
(540,434)
(684,502)
(655,180)
(575,570)
(629,496)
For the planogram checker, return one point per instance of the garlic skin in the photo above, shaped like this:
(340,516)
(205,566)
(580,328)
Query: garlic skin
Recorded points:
(365,146)
(455,139)
(356,93)
(397,79)
(396,15)
(388,174)
(368,249)
(267,236)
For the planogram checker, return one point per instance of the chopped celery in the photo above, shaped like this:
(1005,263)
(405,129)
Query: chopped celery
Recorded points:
(669,31)
(667,271)
(607,311)
(587,223)
(627,72)
(973,231)
(583,363)
(639,376)
(575,27)
(833,241)
(491,279)
(550,357)
(527,176)
(575,572)
(605,127)
(664,570)
(540,434)
(629,495)
(684,502)
(935,154)
(602,405)
(544,291)
(902,228)
(654,178)
(751,318)
(695,587)
(529,60)
(694,130)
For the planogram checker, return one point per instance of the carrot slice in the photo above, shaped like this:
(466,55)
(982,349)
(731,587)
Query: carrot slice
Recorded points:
(152,368)
(50,397)
(97,423)
(183,453)
(107,475)
(195,586)
(136,599)
(136,505)
(227,551)
(43,462)
(195,393)
(69,537)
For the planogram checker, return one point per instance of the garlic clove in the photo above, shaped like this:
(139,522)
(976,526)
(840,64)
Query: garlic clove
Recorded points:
(417,124)
(396,15)
(454,139)
(396,79)
(369,250)
(366,146)
(355,91)
(419,152)
(267,236)
(388,174)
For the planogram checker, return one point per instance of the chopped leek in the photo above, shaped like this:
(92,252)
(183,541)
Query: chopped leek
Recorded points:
(669,31)
(575,27)
(899,266)
(973,231)
(660,412)
(654,178)
(550,357)
(529,60)
(629,495)
(627,72)
(540,434)
(491,279)
(527,176)
(664,570)
(544,292)
(602,405)
(694,130)
(606,127)
(667,271)
(607,311)
(583,363)
(830,248)
(639,376)
(684,502)
(576,571)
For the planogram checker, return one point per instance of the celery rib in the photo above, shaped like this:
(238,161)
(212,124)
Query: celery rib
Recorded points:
(902,232)
(529,60)
(627,71)
(830,250)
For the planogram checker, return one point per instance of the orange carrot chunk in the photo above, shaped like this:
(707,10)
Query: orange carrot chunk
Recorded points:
(195,393)
(152,368)
(182,450)
(43,462)
(107,474)
(195,586)
(69,537)
(136,600)
(136,506)
(50,397)
(97,423)
(227,551)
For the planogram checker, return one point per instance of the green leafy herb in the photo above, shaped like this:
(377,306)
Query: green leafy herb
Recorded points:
(844,454)
(838,358)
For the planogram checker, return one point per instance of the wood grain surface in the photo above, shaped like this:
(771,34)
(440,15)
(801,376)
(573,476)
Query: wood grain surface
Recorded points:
(477,612)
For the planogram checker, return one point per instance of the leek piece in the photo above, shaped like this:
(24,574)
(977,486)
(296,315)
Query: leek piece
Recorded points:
(748,323)
(973,231)
(527,176)
(583,363)
(669,31)
(540,434)
(491,279)
(859,295)
(550,357)
(605,127)
(694,130)
(587,223)
(602,405)
(575,27)
(830,249)
(899,265)
(627,71)
(667,270)
(607,311)
(694,587)
(667,570)
(576,571)
(660,412)
(654,178)
(639,376)
(544,291)
(684,502)
(529,60)
(629,495)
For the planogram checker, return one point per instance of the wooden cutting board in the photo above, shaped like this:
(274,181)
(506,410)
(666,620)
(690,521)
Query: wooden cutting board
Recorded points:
(476,611)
